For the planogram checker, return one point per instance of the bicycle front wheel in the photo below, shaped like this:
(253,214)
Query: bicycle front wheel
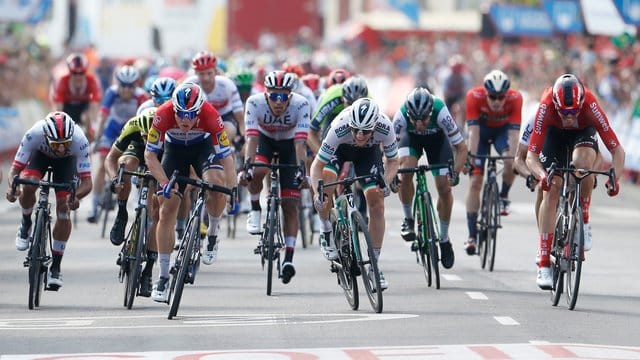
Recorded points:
(182,265)
(36,254)
(575,244)
(347,268)
(557,258)
(432,240)
(493,222)
(366,259)
(272,226)
(421,237)
(135,246)
(107,205)
(485,206)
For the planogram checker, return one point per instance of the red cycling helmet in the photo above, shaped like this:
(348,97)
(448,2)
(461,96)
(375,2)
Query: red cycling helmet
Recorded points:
(568,94)
(337,76)
(77,63)
(203,60)
(293,68)
(312,81)
(280,80)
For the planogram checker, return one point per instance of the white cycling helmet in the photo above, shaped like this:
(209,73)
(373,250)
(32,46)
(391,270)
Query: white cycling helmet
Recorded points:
(496,82)
(58,126)
(354,88)
(127,75)
(363,114)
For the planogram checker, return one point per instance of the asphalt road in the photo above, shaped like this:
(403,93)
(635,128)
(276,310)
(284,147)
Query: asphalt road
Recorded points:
(227,314)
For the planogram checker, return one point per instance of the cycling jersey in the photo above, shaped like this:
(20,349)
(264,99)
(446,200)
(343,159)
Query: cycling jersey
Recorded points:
(89,91)
(590,115)
(440,122)
(329,106)
(224,96)
(340,134)
(34,141)
(292,124)
(118,109)
(479,113)
(208,127)
(130,134)
(526,131)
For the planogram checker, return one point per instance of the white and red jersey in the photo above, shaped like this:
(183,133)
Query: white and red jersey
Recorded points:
(208,127)
(591,114)
(89,91)
(292,124)
(34,140)
(224,96)
(119,109)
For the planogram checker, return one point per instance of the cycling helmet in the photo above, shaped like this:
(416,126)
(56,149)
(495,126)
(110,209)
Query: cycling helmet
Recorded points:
(145,120)
(496,82)
(188,98)
(312,81)
(221,65)
(363,114)
(419,104)
(280,80)
(244,79)
(148,82)
(293,68)
(354,88)
(77,63)
(568,93)
(162,89)
(127,74)
(203,60)
(337,76)
(456,62)
(58,126)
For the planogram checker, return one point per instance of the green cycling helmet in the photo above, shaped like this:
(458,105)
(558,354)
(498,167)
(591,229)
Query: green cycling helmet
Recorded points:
(244,79)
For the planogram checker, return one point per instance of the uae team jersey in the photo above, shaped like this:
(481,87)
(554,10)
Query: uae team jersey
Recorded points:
(292,124)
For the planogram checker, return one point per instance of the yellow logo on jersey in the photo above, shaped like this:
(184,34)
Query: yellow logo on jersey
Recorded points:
(153,136)
(222,139)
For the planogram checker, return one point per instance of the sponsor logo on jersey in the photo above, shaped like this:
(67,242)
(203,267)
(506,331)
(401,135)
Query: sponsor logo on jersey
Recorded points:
(326,148)
(383,128)
(596,112)
(342,130)
(223,140)
(153,137)
(542,110)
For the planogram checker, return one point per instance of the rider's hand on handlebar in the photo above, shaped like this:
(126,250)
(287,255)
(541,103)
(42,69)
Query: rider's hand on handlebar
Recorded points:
(320,204)
(12,196)
(395,184)
(613,189)
(75,204)
(454,178)
(165,190)
(545,182)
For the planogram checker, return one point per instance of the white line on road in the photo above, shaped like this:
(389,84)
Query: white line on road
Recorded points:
(476,295)
(506,320)
(451,277)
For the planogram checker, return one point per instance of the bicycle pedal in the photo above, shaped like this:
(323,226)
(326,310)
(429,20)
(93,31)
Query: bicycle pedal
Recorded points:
(52,287)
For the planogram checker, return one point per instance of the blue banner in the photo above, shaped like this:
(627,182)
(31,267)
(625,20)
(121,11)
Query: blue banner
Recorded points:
(521,21)
(411,8)
(629,10)
(565,15)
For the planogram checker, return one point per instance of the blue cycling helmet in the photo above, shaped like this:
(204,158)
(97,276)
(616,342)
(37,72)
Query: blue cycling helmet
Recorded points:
(161,89)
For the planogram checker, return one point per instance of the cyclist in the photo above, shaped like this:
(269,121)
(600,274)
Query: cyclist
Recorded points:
(567,119)
(312,81)
(56,142)
(494,113)
(424,124)
(190,132)
(357,134)
(118,106)
(244,80)
(78,93)
(335,77)
(277,122)
(300,87)
(161,89)
(455,84)
(129,150)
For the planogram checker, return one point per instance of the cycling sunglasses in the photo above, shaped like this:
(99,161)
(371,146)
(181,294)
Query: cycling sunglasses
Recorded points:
(275,97)
(188,115)
(56,144)
(497,97)
(355,131)
(127,85)
(569,112)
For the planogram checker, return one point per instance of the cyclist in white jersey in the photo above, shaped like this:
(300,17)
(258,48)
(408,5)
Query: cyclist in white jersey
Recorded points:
(277,122)
(357,134)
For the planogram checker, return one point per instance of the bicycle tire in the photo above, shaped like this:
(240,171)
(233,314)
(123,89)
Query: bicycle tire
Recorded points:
(421,236)
(494,223)
(556,260)
(183,261)
(107,200)
(482,226)
(271,222)
(304,219)
(361,237)
(135,266)
(576,250)
(432,241)
(346,270)
(35,260)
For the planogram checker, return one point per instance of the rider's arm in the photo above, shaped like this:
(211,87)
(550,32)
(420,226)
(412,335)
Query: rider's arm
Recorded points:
(313,140)
(151,156)
(84,188)
(520,161)
(317,166)
(111,162)
(460,157)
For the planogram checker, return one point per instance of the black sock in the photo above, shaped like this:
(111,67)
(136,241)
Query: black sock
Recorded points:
(122,208)
(212,242)
(288,255)
(504,193)
(55,264)
(152,256)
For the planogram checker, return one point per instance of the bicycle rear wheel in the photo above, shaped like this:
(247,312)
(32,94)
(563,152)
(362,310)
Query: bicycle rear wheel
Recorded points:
(347,268)
(575,243)
(492,225)
(107,206)
(136,245)
(36,254)
(364,255)
(432,241)
(304,218)
(182,264)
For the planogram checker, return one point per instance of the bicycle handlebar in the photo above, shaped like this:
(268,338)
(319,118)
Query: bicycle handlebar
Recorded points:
(490,157)
(425,168)
(579,174)
(122,171)
(70,186)
(202,184)
(347,182)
